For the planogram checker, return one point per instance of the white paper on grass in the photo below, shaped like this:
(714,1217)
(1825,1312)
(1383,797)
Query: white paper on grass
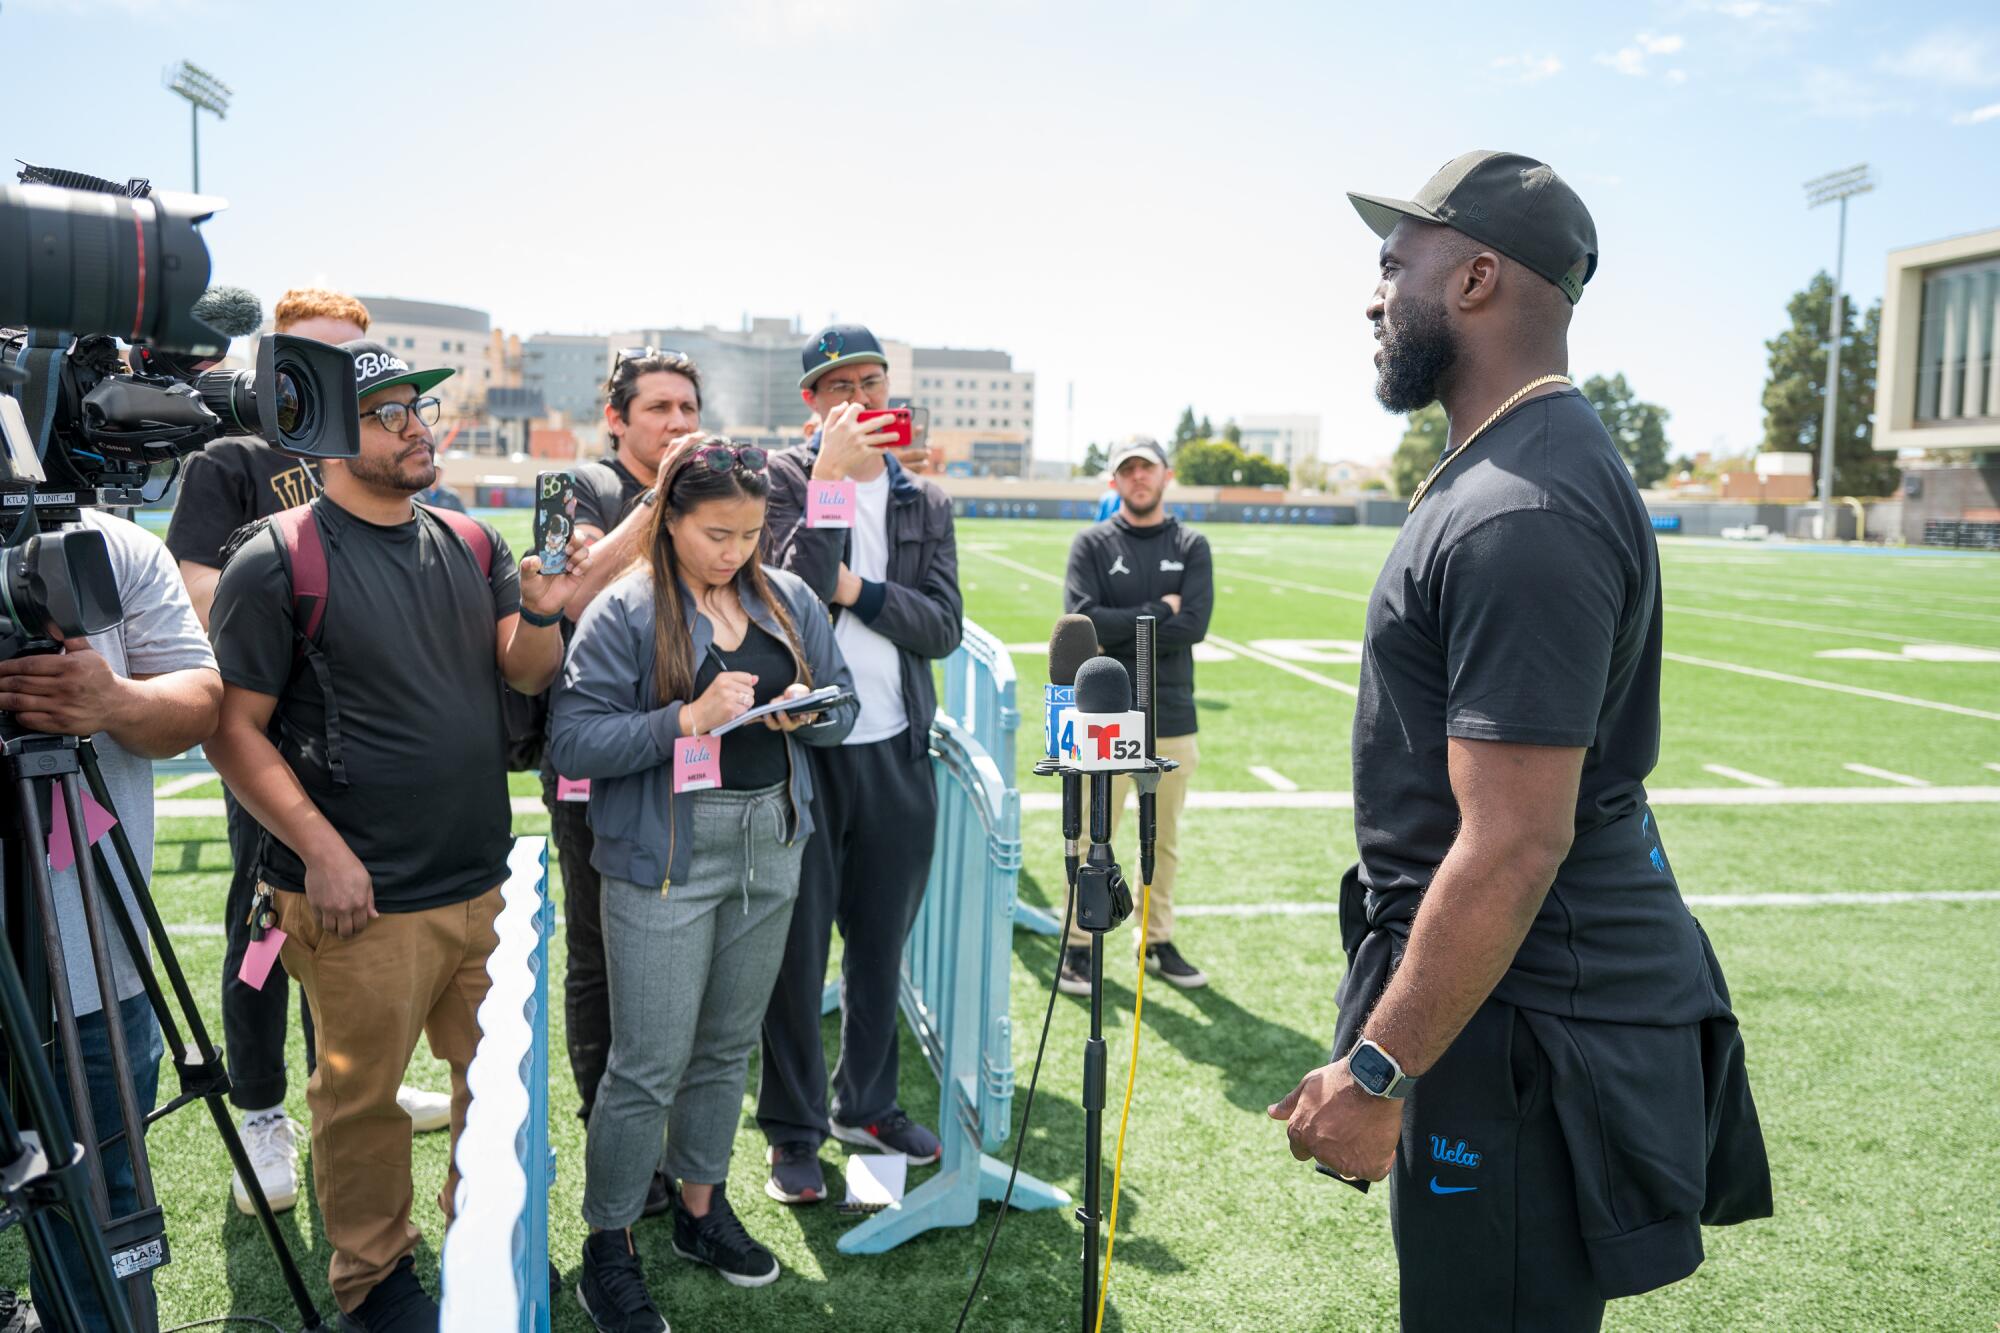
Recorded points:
(876,1179)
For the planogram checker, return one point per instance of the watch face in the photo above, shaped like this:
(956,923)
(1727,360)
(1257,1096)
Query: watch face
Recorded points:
(1371,1069)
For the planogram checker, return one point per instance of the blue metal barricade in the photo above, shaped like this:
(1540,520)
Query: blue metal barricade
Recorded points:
(956,969)
(979,695)
(494,1272)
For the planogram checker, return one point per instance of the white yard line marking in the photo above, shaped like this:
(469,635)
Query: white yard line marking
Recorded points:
(1994,767)
(1341,593)
(1044,801)
(1834,631)
(1268,660)
(1277,780)
(1738,775)
(1869,771)
(187,782)
(1837,688)
(1025,568)
(1862,899)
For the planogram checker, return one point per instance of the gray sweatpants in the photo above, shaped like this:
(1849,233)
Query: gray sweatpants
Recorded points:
(689,973)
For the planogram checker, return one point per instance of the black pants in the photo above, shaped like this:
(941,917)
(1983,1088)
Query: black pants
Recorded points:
(586,1001)
(255,1023)
(875,819)
(1482,1201)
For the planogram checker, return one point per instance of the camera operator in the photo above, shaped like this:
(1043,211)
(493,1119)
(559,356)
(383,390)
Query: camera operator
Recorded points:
(235,481)
(381,776)
(892,581)
(144,690)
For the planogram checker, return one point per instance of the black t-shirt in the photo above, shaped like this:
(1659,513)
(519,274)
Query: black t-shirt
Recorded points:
(605,493)
(1521,603)
(409,636)
(753,755)
(1119,572)
(232,482)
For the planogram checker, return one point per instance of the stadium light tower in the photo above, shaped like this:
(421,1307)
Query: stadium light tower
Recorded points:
(1837,185)
(204,92)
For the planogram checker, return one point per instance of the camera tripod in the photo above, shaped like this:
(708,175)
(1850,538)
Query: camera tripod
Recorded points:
(43,1172)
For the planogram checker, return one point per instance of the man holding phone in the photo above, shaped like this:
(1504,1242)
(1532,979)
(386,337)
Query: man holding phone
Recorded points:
(884,556)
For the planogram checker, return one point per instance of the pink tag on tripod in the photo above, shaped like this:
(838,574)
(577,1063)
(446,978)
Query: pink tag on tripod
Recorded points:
(829,504)
(697,763)
(257,959)
(97,822)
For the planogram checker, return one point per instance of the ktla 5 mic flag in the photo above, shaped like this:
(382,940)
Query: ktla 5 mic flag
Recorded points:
(1056,700)
(1103,742)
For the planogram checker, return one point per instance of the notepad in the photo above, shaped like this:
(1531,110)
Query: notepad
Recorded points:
(805,703)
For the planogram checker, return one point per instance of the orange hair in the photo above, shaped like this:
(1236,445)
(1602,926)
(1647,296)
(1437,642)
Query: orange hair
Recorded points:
(303,303)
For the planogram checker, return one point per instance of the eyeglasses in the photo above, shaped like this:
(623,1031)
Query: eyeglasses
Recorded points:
(840,391)
(723,457)
(395,417)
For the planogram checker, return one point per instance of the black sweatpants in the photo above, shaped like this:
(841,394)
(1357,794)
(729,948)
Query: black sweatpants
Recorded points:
(255,1023)
(586,1000)
(1483,1199)
(875,820)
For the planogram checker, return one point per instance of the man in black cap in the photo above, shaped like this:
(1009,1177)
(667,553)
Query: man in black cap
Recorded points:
(1140,561)
(361,728)
(1535,1042)
(891,579)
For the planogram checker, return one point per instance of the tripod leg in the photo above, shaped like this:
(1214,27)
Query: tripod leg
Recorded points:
(1093,1129)
(215,1079)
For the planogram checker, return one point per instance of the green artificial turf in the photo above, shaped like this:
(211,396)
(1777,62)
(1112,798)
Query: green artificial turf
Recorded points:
(1874,1036)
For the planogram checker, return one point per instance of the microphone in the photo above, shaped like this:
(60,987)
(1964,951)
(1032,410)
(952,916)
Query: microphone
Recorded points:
(1102,734)
(1108,731)
(231,311)
(1073,642)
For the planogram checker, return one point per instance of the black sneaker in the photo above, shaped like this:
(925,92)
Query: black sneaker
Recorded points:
(1074,978)
(719,1240)
(796,1175)
(660,1195)
(396,1304)
(612,1286)
(894,1132)
(1166,960)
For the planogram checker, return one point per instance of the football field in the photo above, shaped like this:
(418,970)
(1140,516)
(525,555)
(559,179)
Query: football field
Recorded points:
(1828,789)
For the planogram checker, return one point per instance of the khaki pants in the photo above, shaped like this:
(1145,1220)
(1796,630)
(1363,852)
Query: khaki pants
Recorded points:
(1167,843)
(371,996)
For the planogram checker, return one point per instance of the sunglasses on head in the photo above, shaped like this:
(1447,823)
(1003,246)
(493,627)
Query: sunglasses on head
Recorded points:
(723,457)
(625,354)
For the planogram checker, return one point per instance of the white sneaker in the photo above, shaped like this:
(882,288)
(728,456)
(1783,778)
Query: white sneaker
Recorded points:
(269,1139)
(427,1110)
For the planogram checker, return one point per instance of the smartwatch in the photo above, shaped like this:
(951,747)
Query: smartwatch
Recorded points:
(1376,1072)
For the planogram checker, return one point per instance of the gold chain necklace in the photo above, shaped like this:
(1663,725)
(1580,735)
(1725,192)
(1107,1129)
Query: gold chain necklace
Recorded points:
(1424,486)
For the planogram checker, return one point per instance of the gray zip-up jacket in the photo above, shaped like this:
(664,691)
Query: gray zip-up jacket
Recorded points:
(607,724)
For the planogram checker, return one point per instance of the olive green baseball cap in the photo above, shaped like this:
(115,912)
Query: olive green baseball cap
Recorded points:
(1515,204)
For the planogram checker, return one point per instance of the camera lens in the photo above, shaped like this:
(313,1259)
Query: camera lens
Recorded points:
(291,403)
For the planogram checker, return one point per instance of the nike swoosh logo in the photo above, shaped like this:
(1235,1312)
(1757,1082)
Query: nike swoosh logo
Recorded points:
(1451,1189)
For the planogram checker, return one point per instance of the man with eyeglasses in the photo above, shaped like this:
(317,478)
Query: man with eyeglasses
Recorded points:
(651,398)
(892,583)
(363,730)
(235,481)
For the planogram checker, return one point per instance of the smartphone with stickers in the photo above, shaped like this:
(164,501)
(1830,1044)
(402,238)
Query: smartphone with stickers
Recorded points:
(555,518)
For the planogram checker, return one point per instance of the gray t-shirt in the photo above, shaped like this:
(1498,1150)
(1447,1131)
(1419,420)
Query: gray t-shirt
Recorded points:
(159,634)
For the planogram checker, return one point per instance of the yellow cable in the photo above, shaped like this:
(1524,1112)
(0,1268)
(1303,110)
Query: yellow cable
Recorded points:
(1125,1115)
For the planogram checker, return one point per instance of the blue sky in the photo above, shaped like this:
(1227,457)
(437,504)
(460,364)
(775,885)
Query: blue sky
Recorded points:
(1145,199)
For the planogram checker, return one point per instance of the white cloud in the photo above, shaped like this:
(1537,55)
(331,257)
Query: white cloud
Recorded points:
(1677,77)
(1627,60)
(1978,115)
(1766,15)
(1955,59)
(1526,68)
(1660,45)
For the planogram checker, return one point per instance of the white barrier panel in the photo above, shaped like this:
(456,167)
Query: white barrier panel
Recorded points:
(494,1274)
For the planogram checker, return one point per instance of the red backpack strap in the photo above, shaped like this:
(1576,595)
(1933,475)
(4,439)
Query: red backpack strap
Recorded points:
(305,553)
(470,531)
